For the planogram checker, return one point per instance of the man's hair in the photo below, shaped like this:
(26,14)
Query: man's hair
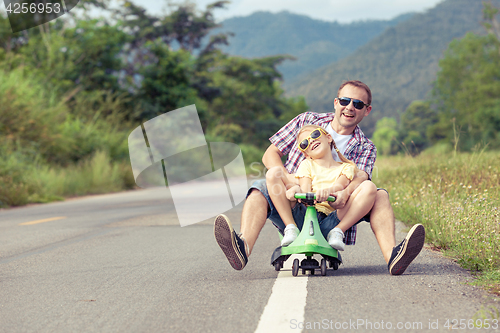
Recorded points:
(358,84)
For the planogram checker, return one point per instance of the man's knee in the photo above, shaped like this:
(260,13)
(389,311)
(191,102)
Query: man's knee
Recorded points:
(274,174)
(257,197)
(382,197)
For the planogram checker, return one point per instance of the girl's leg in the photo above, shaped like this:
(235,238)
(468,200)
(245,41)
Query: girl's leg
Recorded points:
(359,204)
(277,184)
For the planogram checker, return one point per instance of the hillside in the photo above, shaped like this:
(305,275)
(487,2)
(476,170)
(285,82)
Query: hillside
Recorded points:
(399,65)
(314,43)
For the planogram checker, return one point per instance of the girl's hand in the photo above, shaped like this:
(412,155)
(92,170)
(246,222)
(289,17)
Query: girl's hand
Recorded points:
(322,194)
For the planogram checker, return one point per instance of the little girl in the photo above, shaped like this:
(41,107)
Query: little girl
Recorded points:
(319,173)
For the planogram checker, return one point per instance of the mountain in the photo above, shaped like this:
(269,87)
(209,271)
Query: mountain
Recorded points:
(399,65)
(314,43)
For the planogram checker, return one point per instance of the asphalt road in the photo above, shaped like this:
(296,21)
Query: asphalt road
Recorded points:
(121,263)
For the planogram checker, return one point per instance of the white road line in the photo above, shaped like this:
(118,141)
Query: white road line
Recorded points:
(287,302)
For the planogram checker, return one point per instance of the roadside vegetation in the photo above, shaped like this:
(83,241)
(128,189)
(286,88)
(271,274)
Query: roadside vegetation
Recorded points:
(456,196)
(441,160)
(73,89)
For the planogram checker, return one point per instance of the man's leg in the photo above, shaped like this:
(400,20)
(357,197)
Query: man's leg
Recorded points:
(236,247)
(383,225)
(253,218)
(256,210)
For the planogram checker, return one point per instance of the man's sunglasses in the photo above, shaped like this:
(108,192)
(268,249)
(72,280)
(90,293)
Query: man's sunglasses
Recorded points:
(345,101)
(314,135)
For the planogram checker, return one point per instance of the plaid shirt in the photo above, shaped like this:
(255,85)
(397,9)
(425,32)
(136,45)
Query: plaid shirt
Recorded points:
(359,149)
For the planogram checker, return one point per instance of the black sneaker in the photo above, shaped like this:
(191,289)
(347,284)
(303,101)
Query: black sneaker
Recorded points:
(230,243)
(407,250)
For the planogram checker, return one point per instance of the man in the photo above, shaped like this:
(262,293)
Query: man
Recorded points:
(351,106)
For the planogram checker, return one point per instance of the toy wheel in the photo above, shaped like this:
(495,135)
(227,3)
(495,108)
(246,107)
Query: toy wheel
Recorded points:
(303,271)
(295,267)
(323,267)
(277,266)
(335,266)
(281,264)
(312,271)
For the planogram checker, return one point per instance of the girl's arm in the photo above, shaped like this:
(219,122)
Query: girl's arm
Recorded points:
(305,184)
(340,184)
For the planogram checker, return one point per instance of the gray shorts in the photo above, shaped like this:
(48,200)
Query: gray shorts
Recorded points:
(326,222)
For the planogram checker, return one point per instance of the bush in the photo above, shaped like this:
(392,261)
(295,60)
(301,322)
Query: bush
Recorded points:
(16,183)
(29,114)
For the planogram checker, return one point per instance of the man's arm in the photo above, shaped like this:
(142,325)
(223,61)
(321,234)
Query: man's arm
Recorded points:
(272,158)
(343,196)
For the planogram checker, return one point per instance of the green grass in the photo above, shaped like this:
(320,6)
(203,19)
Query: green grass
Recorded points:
(456,198)
(95,175)
(24,181)
(50,149)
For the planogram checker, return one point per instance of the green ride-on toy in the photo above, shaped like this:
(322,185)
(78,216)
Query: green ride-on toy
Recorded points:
(309,242)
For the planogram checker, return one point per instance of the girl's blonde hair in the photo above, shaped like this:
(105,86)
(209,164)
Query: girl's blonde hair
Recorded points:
(332,144)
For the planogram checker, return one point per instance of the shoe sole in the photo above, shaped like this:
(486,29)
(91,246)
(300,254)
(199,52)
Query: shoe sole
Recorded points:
(412,247)
(225,237)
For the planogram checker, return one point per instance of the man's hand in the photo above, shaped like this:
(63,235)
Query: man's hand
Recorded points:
(290,193)
(341,199)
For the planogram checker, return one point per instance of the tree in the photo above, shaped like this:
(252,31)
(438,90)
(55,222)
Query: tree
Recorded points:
(467,84)
(490,22)
(250,97)
(84,56)
(189,29)
(385,135)
(165,84)
(415,121)
(467,88)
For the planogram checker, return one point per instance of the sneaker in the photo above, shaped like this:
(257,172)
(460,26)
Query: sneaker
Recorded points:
(291,233)
(407,250)
(336,239)
(233,245)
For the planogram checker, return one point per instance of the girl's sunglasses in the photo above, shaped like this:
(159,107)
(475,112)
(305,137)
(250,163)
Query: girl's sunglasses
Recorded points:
(314,135)
(344,101)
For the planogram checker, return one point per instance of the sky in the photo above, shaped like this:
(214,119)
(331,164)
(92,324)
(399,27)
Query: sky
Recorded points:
(343,11)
